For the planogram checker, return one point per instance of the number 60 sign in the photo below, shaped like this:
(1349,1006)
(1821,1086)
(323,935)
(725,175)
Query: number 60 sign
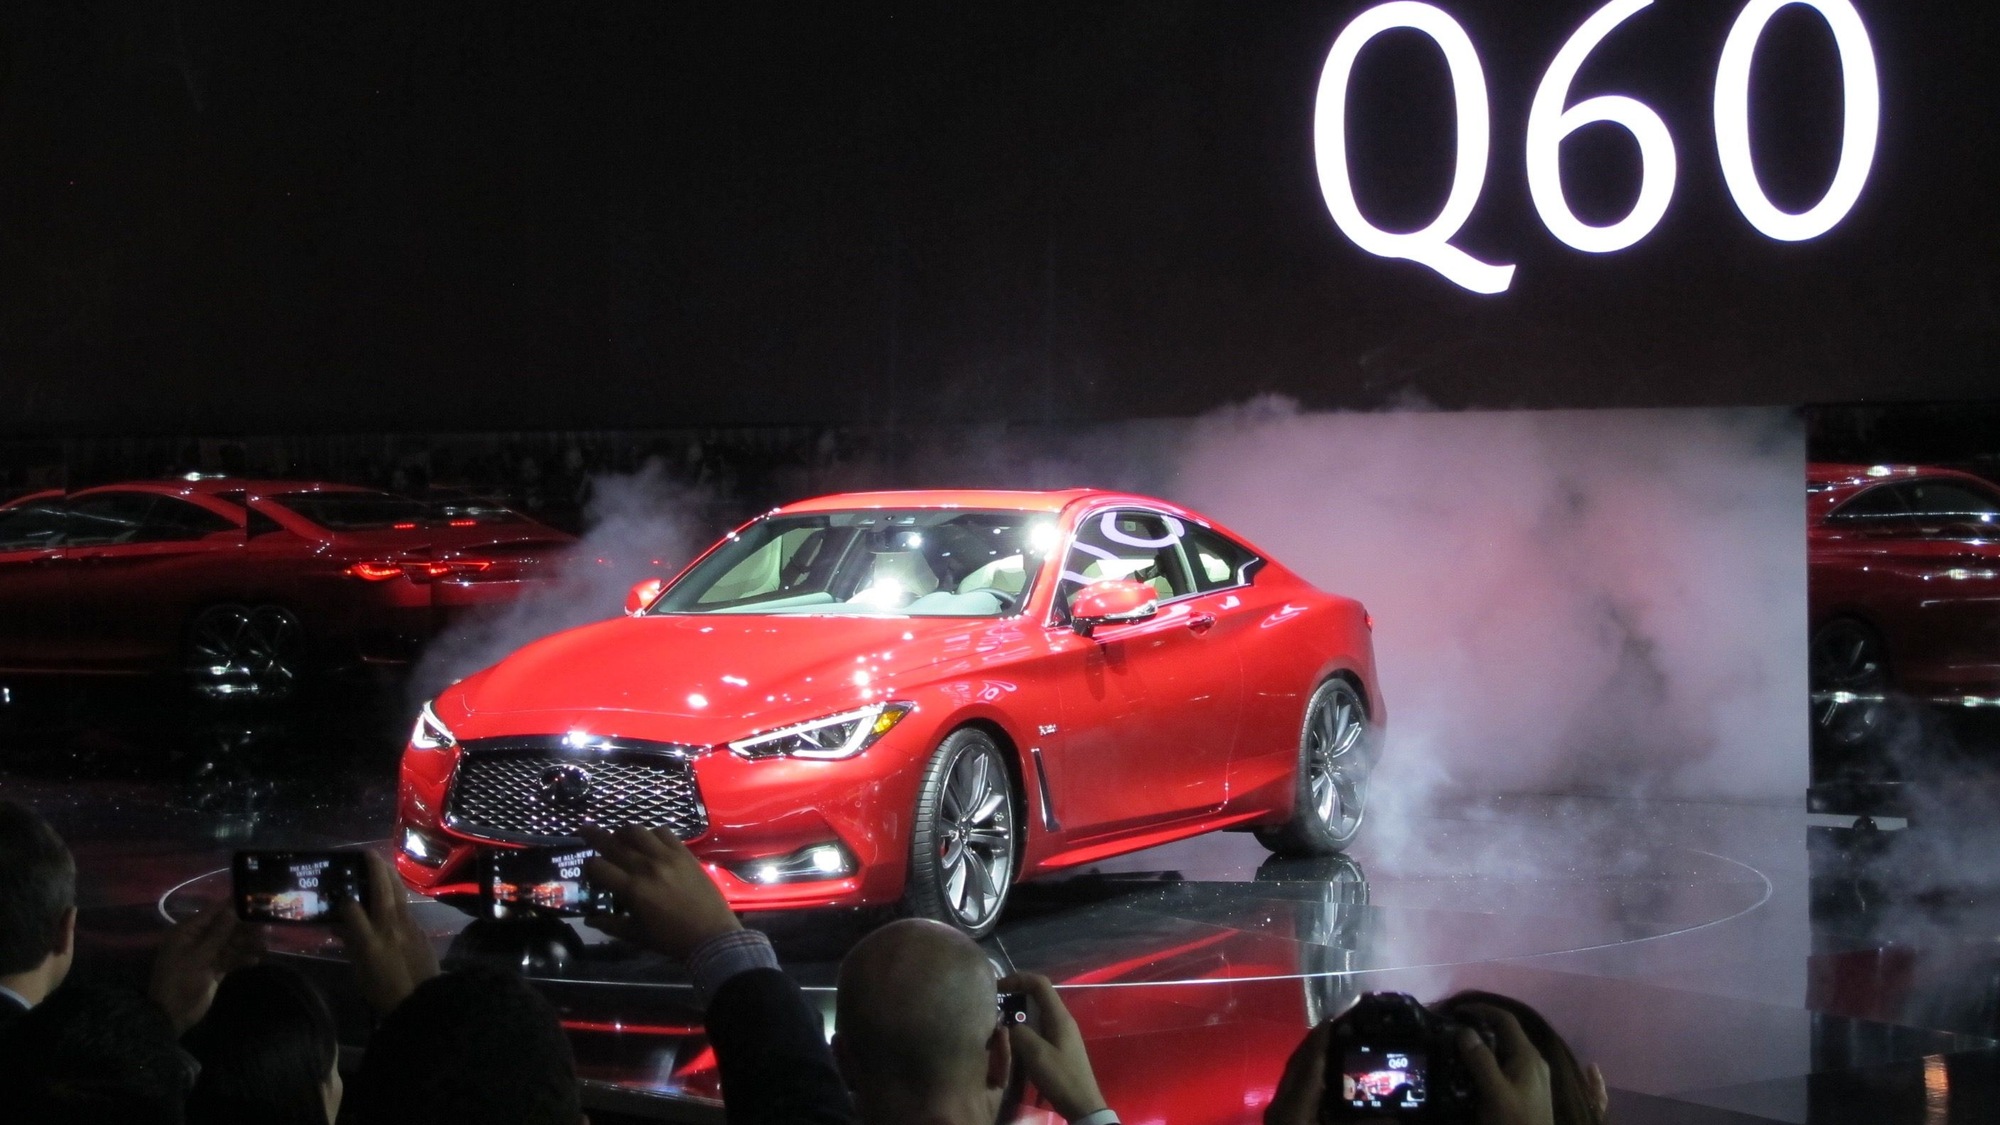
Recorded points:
(1551,119)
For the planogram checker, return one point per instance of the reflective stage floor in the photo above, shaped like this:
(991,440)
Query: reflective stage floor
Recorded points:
(1722,964)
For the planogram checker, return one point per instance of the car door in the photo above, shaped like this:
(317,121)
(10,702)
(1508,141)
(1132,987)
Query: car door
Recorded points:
(1954,554)
(34,601)
(1149,709)
(139,565)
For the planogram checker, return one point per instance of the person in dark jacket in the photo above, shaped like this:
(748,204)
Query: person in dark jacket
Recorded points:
(37,910)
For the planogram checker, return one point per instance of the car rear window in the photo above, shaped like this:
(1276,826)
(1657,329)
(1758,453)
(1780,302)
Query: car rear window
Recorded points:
(356,511)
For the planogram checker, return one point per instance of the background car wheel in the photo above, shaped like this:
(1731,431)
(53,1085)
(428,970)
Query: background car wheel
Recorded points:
(1332,782)
(245,653)
(962,841)
(1848,667)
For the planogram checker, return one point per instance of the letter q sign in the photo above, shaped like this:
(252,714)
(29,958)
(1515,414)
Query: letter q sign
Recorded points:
(1551,120)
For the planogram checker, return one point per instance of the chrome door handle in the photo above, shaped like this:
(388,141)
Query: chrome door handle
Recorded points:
(1200,622)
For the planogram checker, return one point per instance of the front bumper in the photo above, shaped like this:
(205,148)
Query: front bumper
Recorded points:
(758,812)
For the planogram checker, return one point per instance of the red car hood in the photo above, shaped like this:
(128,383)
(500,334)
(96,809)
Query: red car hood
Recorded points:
(728,674)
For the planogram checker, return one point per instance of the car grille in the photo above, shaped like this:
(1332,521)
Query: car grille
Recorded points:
(531,793)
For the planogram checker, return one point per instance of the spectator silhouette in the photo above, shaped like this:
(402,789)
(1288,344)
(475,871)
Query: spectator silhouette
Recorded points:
(476,1046)
(37,910)
(94,1055)
(268,1053)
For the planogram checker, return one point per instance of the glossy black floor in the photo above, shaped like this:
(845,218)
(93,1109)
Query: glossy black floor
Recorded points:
(1723,964)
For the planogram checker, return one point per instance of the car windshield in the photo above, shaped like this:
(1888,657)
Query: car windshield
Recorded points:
(357,510)
(882,562)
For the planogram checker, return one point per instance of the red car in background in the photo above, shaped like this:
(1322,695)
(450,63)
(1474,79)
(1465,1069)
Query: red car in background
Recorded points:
(1904,594)
(243,586)
(918,698)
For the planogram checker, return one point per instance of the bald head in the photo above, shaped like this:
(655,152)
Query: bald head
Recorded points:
(915,1012)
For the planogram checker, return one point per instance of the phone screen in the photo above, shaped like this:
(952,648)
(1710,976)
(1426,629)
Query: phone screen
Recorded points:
(542,880)
(301,887)
(1013,1008)
(1383,1080)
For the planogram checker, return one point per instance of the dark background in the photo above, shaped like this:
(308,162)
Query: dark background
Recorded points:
(240,218)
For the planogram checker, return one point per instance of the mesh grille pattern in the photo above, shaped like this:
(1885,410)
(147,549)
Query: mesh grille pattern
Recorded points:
(507,793)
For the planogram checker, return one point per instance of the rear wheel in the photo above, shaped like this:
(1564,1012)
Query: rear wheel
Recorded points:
(1331,786)
(236,652)
(1855,711)
(962,842)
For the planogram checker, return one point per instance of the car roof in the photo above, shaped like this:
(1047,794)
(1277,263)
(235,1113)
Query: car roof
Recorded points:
(216,486)
(991,498)
(1835,475)
(1830,485)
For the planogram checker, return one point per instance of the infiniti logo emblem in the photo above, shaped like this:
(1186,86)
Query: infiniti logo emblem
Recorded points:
(565,784)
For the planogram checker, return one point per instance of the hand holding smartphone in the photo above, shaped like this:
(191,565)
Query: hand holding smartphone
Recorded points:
(542,881)
(296,887)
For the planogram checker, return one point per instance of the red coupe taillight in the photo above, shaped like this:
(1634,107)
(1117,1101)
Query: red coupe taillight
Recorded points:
(417,570)
(374,571)
(457,568)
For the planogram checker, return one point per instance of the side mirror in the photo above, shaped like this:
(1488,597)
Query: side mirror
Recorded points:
(643,595)
(1112,602)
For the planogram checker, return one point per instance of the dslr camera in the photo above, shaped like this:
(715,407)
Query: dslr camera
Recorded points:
(1389,1057)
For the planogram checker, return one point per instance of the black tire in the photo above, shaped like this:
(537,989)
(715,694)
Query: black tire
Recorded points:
(247,654)
(963,841)
(1848,669)
(1330,786)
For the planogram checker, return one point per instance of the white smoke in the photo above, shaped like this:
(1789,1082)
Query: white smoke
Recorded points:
(1574,602)
(637,526)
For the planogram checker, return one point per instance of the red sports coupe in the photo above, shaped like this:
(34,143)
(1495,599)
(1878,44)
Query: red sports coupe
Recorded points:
(243,585)
(1904,594)
(918,698)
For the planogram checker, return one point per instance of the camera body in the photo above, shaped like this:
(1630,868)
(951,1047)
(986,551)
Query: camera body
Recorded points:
(1391,1057)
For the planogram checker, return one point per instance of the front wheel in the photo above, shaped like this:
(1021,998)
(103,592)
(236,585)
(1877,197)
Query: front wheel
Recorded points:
(1330,789)
(244,653)
(962,840)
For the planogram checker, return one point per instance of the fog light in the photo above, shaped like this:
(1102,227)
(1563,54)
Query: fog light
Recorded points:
(820,861)
(424,849)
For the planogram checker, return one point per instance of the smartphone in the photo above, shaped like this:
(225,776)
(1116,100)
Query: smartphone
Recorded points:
(296,887)
(542,881)
(1390,1081)
(1013,1008)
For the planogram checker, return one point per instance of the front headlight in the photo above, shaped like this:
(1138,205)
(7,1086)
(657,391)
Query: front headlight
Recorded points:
(431,733)
(836,736)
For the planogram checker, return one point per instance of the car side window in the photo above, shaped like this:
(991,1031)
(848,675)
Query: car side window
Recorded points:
(1877,507)
(1123,543)
(31,527)
(1218,562)
(175,521)
(1941,501)
(105,519)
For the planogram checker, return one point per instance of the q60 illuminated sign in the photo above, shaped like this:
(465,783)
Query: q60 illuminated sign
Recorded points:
(1551,120)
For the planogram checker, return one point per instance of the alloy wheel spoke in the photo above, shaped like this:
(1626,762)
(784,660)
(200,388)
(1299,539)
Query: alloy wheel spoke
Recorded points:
(989,811)
(1348,794)
(983,891)
(955,881)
